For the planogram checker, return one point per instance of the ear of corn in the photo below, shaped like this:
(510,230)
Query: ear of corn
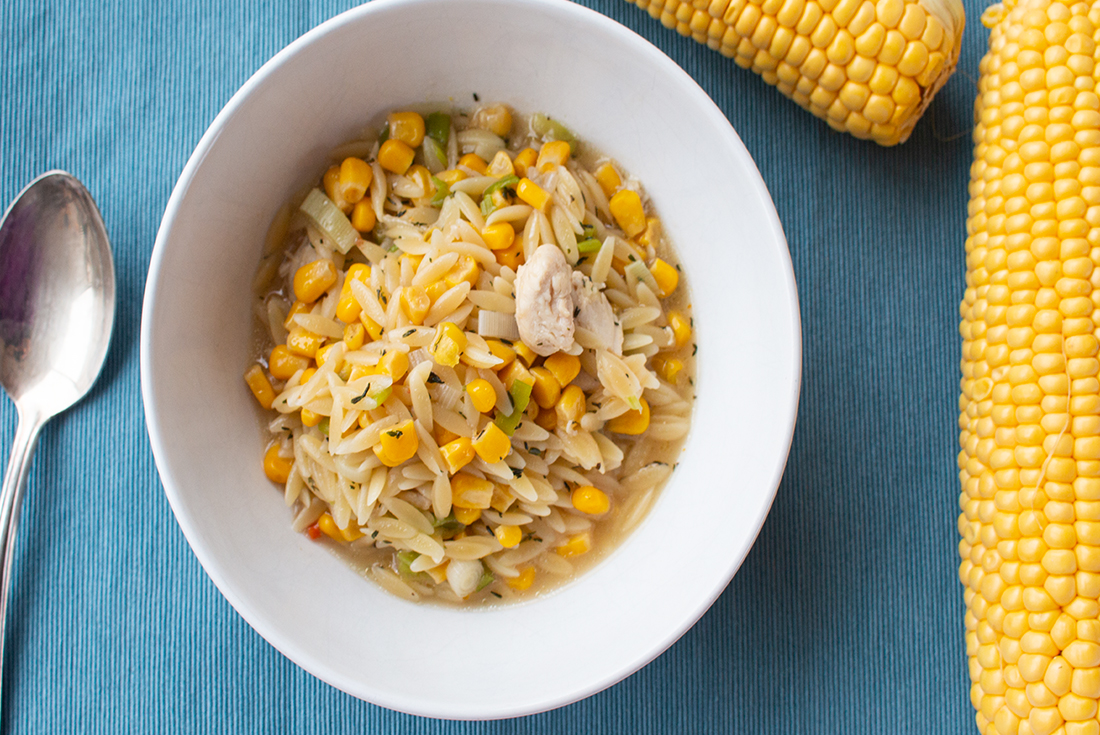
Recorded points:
(1030,400)
(865,67)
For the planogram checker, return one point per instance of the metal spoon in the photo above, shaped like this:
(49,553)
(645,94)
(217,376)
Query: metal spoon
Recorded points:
(57,308)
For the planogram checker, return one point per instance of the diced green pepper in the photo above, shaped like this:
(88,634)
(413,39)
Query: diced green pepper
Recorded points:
(442,191)
(438,127)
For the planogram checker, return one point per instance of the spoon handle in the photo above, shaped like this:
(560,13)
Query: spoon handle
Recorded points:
(11,497)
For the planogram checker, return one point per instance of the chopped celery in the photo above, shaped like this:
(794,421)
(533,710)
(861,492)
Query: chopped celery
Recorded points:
(486,580)
(487,205)
(381,396)
(548,129)
(634,403)
(520,393)
(438,127)
(323,426)
(448,525)
(327,217)
(637,272)
(442,191)
(404,559)
(435,158)
(385,134)
(590,245)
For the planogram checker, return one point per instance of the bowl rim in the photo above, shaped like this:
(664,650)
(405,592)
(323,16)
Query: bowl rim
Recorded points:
(208,560)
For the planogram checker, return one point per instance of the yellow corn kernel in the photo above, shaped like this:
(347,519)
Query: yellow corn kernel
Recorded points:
(525,353)
(436,289)
(496,118)
(466,269)
(363,218)
(355,335)
(532,194)
(523,581)
(524,160)
(458,453)
(608,179)
(471,492)
(260,386)
(415,303)
(395,364)
(492,444)
(508,536)
(283,363)
(666,276)
(347,308)
(681,328)
(474,162)
(296,308)
(374,329)
(329,528)
(306,375)
(576,545)
(563,367)
(547,389)
(407,127)
(451,176)
(303,342)
(395,156)
(331,181)
(653,232)
(501,350)
(547,419)
(448,344)
(355,178)
(590,500)
(512,256)
(466,516)
(483,395)
(398,444)
(322,356)
(276,467)
(626,208)
(668,368)
(553,153)
(570,407)
(362,371)
(310,418)
(501,165)
(499,235)
(421,177)
(313,279)
(515,371)
(631,422)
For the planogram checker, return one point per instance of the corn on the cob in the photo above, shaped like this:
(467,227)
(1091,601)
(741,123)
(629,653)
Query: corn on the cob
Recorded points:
(864,66)
(1030,401)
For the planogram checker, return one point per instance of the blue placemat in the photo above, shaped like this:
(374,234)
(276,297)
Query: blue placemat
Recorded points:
(847,616)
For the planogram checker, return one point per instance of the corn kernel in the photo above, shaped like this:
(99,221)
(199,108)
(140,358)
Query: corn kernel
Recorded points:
(415,303)
(526,353)
(547,419)
(347,308)
(516,371)
(499,235)
(395,364)
(508,536)
(471,492)
(653,232)
(309,373)
(407,127)
(524,160)
(512,256)
(570,407)
(496,118)
(590,500)
(457,454)
(310,418)
(553,153)
(276,467)
(576,545)
(451,176)
(395,156)
(466,516)
(303,342)
(283,363)
(443,435)
(355,178)
(666,277)
(362,371)
(421,177)
(668,368)
(483,395)
(563,367)
(363,218)
(547,389)
(474,162)
(681,328)
(313,279)
(374,329)
(322,353)
(608,179)
(501,350)
(631,422)
(626,208)
(329,528)
(331,181)
(523,581)
(260,386)
(492,444)
(355,335)
(466,269)
(436,289)
(448,344)
(501,165)
(296,308)
(398,444)
(532,194)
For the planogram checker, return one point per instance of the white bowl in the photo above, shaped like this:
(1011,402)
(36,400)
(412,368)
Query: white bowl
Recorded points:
(625,97)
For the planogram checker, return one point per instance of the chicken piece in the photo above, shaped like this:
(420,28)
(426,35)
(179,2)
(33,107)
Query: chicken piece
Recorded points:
(593,312)
(544,301)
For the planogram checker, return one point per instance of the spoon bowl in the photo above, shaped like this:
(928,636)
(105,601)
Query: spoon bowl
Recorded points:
(57,306)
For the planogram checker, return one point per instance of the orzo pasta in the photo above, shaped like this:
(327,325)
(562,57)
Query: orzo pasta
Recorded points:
(476,350)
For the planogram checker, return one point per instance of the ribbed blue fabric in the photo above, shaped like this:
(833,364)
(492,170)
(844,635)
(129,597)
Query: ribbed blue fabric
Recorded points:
(847,616)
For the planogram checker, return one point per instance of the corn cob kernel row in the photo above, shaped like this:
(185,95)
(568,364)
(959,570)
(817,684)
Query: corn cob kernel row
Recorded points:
(865,67)
(1030,399)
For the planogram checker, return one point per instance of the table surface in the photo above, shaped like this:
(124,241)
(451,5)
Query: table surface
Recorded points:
(846,617)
